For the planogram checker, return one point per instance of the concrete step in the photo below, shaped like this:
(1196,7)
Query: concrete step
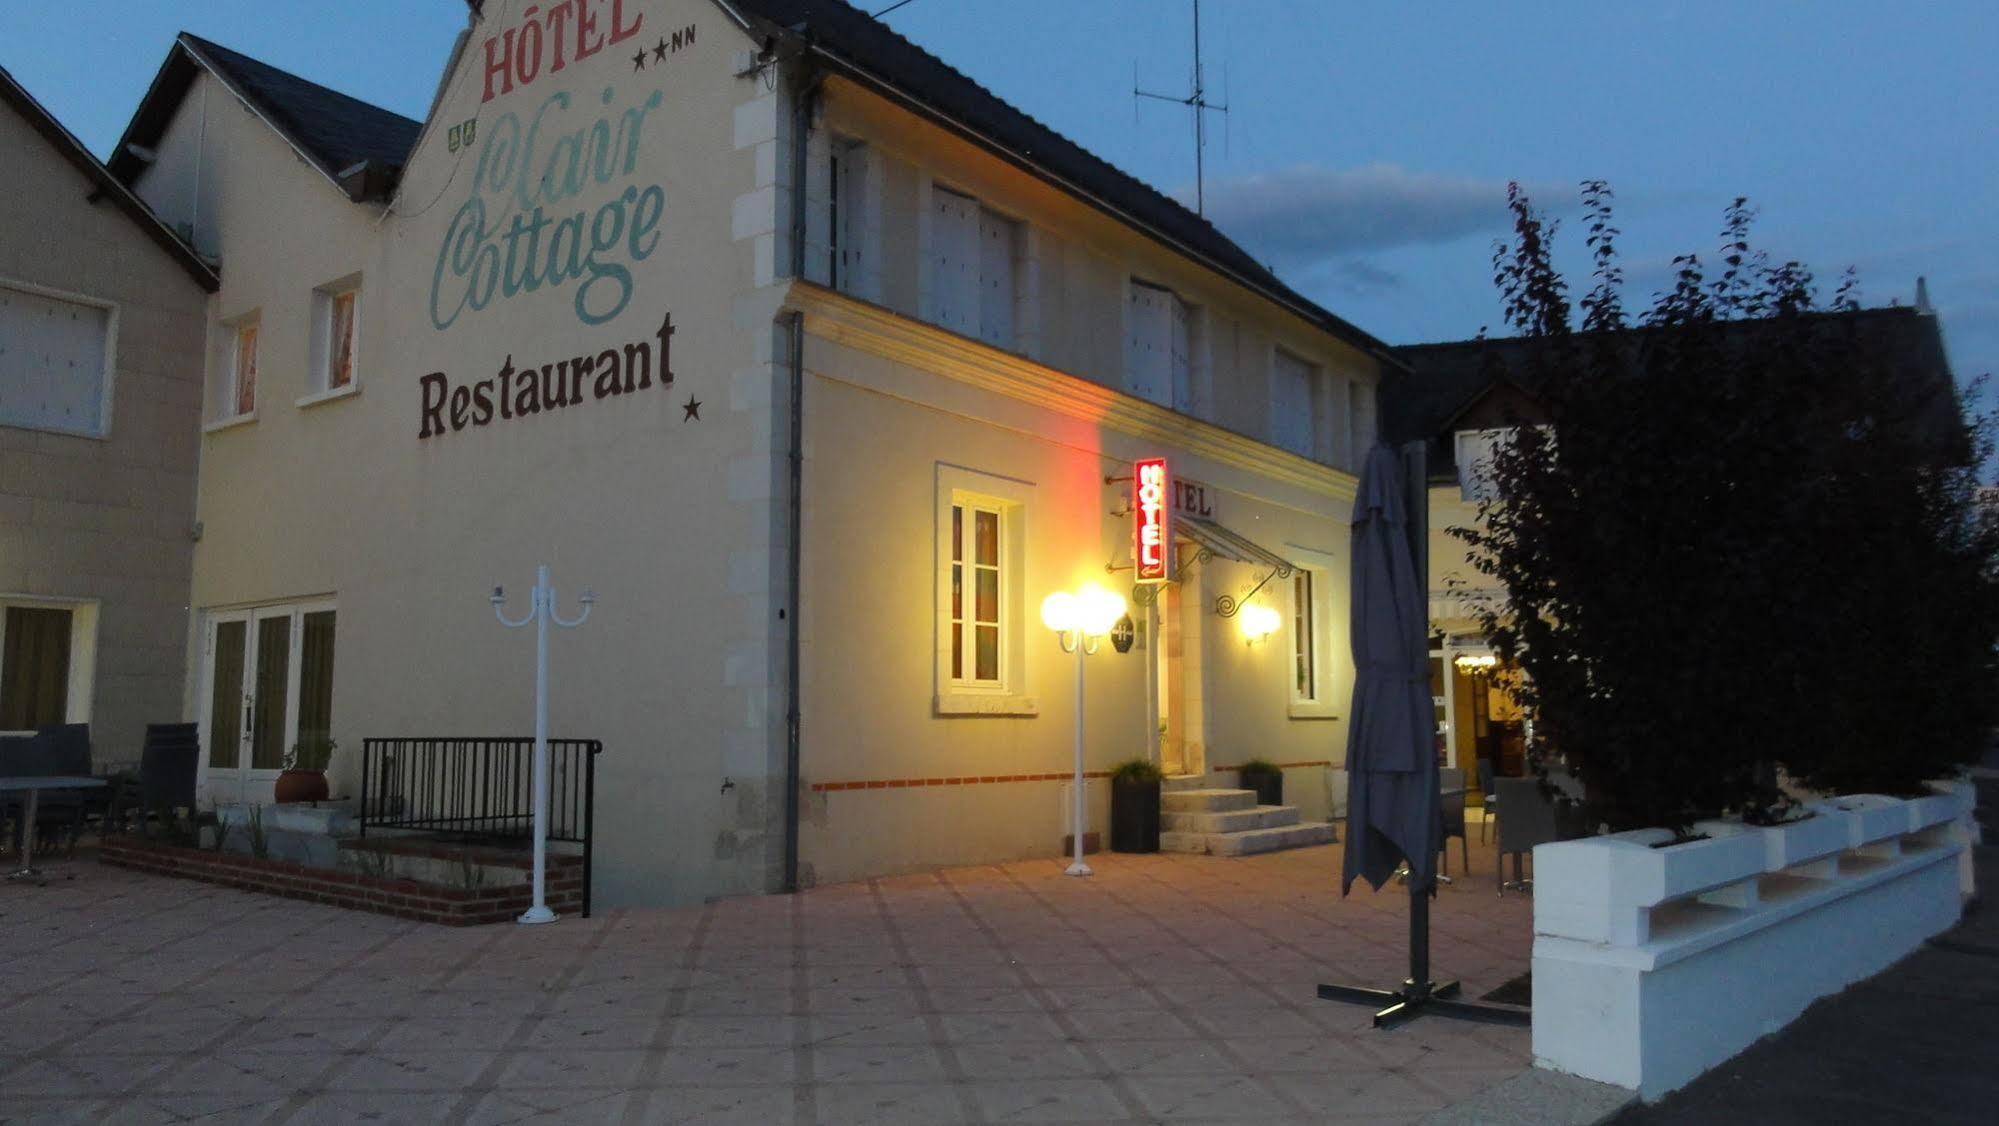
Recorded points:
(1206,801)
(1175,782)
(1249,842)
(1232,821)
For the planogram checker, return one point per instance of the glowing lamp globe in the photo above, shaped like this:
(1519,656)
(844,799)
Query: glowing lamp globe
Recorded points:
(1058,611)
(1258,622)
(1097,609)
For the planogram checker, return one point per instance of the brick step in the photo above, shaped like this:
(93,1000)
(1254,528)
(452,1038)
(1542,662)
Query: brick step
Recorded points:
(1232,821)
(1248,842)
(1206,801)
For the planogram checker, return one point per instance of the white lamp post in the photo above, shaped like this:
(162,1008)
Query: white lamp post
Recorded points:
(541,611)
(1080,621)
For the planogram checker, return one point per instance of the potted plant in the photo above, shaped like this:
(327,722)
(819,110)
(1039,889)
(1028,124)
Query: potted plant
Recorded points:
(304,777)
(1266,778)
(1135,806)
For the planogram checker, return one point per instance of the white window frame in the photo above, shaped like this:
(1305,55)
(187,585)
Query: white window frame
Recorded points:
(1011,498)
(227,331)
(320,371)
(1322,703)
(1473,450)
(82,649)
(254,779)
(106,381)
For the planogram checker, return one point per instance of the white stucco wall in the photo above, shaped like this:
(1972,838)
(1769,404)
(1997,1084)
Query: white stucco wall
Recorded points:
(406,510)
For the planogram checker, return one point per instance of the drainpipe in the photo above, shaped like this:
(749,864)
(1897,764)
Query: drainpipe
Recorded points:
(801,125)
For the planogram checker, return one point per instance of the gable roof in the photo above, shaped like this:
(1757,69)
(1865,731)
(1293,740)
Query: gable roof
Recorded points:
(362,147)
(867,51)
(1445,380)
(105,186)
(358,146)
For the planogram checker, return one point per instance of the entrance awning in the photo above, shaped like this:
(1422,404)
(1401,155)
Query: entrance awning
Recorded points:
(1217,542)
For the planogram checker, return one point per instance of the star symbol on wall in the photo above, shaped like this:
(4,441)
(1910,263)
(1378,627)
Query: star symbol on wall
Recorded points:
(693,408)
(639,60)
(659,51)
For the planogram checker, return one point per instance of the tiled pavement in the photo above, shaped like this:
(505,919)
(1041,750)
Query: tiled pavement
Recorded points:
(1164,989)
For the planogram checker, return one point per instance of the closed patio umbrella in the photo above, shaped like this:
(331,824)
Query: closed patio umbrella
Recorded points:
(1393,813)
(1392,809)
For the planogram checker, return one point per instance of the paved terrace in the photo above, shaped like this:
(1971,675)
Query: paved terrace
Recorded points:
(1165,989)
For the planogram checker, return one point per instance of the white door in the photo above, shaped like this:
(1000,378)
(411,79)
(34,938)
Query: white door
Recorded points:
(254,665)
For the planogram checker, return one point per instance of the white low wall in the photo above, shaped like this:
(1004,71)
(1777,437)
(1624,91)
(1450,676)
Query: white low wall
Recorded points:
(1652,965)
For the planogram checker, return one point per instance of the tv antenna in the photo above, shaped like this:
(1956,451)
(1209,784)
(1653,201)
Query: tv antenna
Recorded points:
(1197,101)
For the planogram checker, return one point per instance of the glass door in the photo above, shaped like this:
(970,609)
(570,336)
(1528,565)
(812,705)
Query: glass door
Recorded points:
(228,707)
(269,675)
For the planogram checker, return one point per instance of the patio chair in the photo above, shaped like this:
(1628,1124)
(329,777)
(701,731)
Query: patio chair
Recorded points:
(1336,799)
(1452,807)
(167,768)
(1529,820)
(1491,799)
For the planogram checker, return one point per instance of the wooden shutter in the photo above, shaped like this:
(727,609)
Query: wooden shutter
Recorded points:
(996,253)
(954,261)
(1291,422)
(52,359)
(1148,356)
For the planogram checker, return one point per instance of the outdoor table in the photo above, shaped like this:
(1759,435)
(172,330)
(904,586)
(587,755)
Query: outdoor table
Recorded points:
(34,786)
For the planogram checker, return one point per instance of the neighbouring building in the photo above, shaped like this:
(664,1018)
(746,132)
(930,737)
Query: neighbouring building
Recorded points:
(1462,399)
(820,365)
(101,313)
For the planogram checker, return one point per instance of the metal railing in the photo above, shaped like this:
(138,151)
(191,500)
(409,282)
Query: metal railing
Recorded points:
(480,790)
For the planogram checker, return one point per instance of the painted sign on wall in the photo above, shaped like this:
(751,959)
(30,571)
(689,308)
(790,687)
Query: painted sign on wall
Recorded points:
(1152,525)
(556,198)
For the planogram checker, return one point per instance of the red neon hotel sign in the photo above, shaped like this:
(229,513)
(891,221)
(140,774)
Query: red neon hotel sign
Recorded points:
(1152,523)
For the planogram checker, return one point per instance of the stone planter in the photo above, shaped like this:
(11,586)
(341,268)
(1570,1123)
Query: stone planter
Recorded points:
(1804,841)
(1268,784)
(1652,965)
(1134,815)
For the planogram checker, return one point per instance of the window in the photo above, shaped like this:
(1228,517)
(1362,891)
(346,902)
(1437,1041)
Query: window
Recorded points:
(1360,418)
(975,594)
(1474,457)
(336,332)
(1312,688)
(846,185)
(46,658)
(981,533)
(973,253)
(1293,420)
(1158,347)
(1304,653)
(55,361)
(235,385)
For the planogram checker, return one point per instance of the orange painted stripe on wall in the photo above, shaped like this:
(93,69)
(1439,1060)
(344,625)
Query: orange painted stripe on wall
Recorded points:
(969,780)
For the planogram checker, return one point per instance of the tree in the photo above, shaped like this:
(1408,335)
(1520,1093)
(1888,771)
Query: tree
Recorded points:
(1731,547)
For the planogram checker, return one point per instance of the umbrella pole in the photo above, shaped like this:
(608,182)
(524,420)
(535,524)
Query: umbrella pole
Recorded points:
(1419,996)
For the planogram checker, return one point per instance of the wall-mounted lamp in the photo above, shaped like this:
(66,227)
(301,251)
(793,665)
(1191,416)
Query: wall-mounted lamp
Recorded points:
(1475,664)
(1258,622)
(1080,621)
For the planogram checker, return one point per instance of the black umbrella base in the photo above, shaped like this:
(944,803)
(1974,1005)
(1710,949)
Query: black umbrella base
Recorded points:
(1412,1001)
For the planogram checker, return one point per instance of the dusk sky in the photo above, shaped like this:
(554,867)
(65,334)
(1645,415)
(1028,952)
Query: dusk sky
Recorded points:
(1368,145)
